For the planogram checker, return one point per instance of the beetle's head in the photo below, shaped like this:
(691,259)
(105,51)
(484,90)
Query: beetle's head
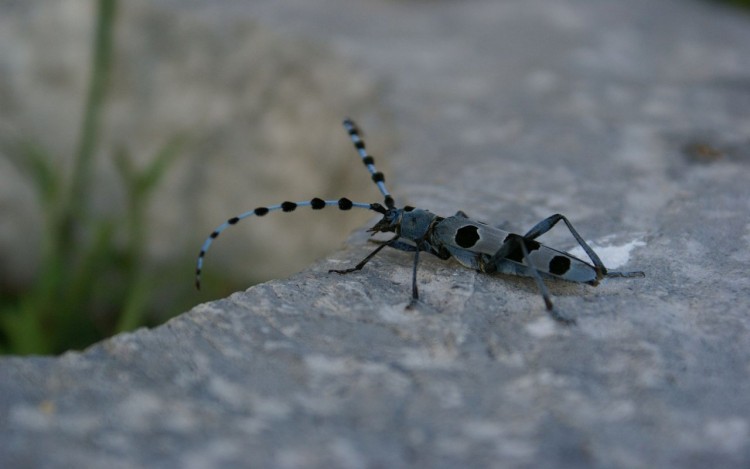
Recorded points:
(391,220)
(408,222)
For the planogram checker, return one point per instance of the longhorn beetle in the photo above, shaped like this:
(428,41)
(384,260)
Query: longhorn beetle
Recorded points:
(473,244)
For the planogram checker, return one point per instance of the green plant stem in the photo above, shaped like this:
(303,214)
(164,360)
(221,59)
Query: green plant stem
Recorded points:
(89,285)
(91,124)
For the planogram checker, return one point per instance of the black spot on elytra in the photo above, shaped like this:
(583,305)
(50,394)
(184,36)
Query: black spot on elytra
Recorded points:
(516,253)
(317,203)
(559,265)
(345,204)
(288,206)
(467,236)
(408,208)
(260,211)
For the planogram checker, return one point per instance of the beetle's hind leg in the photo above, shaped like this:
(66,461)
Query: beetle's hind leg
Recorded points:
(548,223)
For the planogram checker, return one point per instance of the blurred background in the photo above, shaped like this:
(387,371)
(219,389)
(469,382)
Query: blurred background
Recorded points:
(129,130)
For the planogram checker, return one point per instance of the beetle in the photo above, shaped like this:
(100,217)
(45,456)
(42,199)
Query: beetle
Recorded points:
(472,243)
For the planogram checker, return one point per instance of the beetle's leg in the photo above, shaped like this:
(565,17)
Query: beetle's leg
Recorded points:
(366,259)
(549,222)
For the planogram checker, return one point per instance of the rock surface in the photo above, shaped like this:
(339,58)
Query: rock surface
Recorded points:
(630,117)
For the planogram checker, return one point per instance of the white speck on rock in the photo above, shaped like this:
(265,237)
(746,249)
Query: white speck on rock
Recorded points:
(612,256)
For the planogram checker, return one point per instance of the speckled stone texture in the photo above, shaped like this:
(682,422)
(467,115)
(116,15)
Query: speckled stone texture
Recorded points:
(630,117)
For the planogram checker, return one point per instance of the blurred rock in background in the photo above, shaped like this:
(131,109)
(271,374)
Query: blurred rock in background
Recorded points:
(259,114)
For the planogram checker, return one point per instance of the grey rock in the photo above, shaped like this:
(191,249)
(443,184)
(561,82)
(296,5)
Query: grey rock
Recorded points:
(629,117)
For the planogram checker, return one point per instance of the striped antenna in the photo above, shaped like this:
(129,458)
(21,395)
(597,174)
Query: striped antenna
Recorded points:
(316,204)
(377,177)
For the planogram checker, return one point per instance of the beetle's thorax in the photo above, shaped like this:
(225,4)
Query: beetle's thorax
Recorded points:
(409,223)
(415,224)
